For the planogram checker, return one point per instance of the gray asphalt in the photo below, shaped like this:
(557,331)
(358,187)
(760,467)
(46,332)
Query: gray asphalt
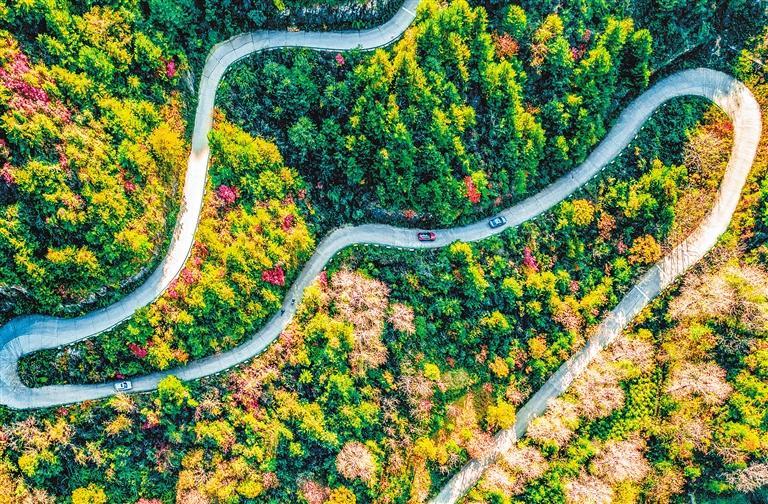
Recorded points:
(28,334)
(740,105)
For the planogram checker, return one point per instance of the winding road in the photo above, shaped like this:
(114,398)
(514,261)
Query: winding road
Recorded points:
(28,334)
(737,101)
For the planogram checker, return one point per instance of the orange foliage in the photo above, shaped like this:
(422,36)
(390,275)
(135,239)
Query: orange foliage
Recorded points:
(506,45)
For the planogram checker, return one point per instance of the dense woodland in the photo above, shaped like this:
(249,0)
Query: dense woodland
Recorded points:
(251,239)
(91,150)
(474,109)
(399,366)
(677,406)
(452,121)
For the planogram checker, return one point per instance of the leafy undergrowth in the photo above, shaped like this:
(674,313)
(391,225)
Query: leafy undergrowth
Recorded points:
(91,151)
(675,406)
(251,241)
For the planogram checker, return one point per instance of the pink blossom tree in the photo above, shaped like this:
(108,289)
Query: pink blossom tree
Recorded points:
(529,261)
(588,489)
(226,194)
(749,479)
(620,461)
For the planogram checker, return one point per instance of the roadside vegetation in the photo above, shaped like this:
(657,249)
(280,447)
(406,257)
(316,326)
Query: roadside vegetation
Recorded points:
(676,409)
(91,152)
(196,25)
(251,241)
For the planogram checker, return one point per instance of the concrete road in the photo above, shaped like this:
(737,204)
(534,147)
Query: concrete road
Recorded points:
(741,107)
(28,334)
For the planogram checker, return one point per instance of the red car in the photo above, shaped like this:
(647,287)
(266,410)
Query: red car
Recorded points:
(426,236)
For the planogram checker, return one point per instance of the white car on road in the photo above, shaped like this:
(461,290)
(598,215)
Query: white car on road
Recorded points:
(123,386)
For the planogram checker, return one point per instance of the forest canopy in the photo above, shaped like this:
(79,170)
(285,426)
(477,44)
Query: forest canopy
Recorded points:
(399,367)
(91,151)
(455,119)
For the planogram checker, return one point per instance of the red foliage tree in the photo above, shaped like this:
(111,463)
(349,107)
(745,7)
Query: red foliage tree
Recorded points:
(6,174)
(170,68)
(275,276)
(172,292)
(129,186)
(528,260)
(137,350)
(472,193)
(226,194)
(313,492)
(288,222)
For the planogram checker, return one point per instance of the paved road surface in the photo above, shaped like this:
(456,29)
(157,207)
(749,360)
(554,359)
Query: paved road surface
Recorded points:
(28,334)
(740,105)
